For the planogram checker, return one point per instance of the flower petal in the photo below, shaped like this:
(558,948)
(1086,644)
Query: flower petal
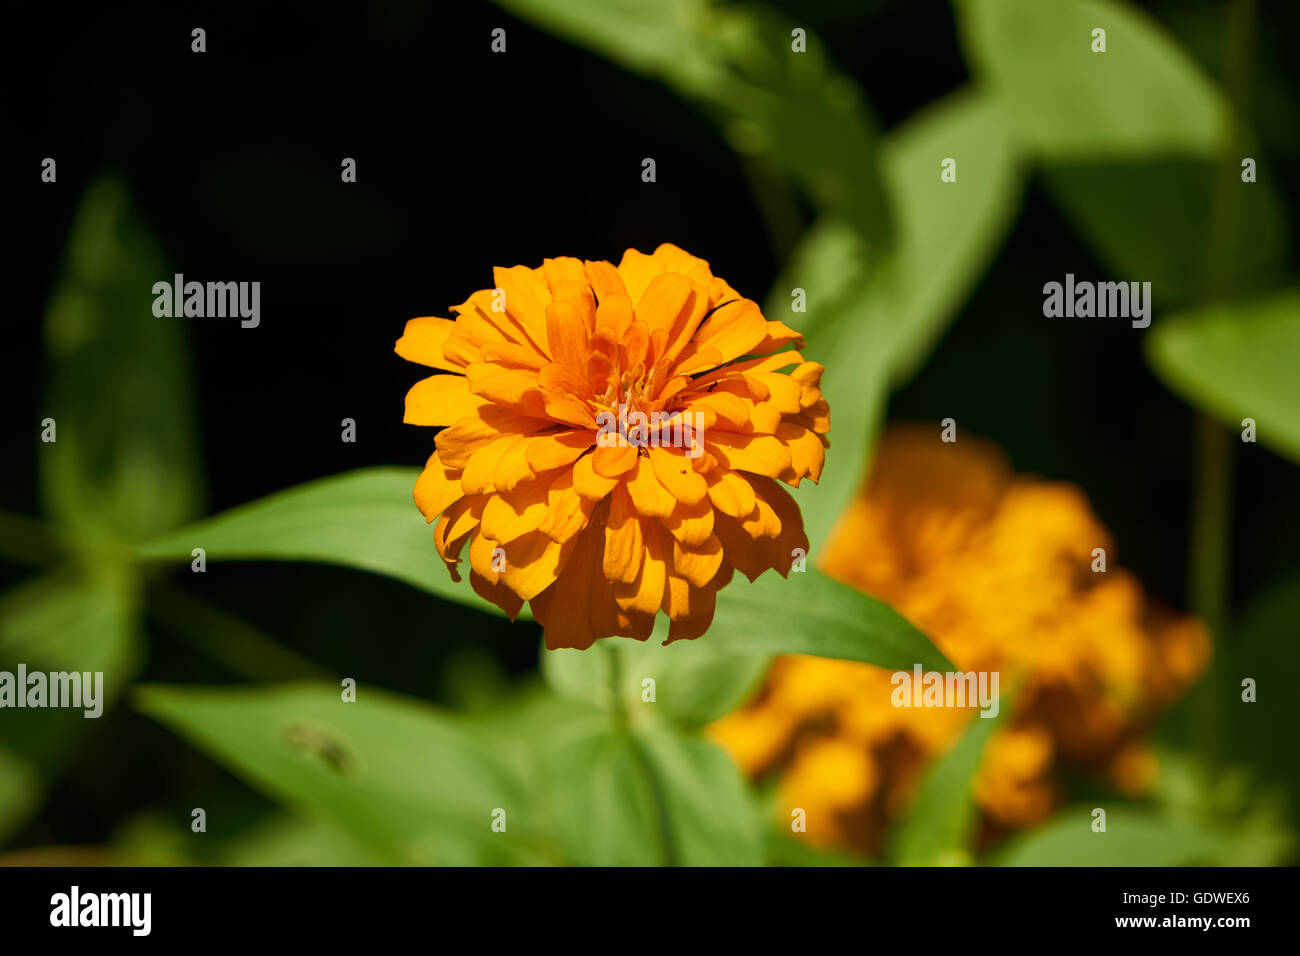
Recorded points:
(440,400)
(624,545)
(437,487)
(422,342)
(675,473)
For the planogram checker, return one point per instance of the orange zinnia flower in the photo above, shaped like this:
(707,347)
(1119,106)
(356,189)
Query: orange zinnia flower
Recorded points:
(998,569)
(609,451)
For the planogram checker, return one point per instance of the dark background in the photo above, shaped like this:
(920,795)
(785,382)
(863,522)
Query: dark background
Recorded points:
(468,160)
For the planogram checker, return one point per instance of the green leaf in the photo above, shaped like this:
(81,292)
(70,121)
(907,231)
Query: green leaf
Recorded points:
(73,620)
(392,773)
(810,613)
(363,519)
(939,828)
(711,813)
(63,621)
(1149,219)
(1237,361)
(871,324)
(1143,96)
(516,727)
(595,784)
(693,683)
(124,464)
(1133,837)
(948,233)
(646,797)
(285,840)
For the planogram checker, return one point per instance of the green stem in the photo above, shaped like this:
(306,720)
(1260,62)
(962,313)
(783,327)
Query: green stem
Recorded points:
(614,683)
(1211,519)
(622,723)
(1211,522)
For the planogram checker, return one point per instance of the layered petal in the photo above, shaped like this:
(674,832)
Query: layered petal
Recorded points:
(611,441)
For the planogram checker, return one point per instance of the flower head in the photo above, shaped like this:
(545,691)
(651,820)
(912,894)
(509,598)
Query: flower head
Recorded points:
(998,570)
(613,441)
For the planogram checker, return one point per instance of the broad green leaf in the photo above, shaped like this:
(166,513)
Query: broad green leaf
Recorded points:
(1143,96)
(620,792)
(713,818)
(585,776)
(948,233)
(363,519)
(873,326)
(1151,220)
(939,828)
(359,519)
(67,621)
(394,774)
(516,727)
(288,841)
(1133,837)
(595,786)
(693,683)
(1237,361)
(809,613)
(72,620)
(124,464)
(793,110)
(64,621)
(647,797)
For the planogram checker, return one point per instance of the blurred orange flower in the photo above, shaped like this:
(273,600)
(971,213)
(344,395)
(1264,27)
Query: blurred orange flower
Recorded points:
(614,441)
(999,571)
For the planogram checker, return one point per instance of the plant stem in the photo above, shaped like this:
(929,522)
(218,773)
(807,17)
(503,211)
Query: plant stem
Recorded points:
(667,842)
(1211,516)
(1211,519)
